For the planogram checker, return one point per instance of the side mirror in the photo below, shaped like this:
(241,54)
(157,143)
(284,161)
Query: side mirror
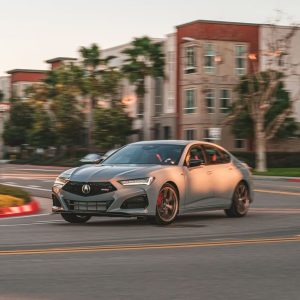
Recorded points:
(195,162)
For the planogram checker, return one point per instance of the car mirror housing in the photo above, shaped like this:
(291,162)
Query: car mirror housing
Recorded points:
(195,162)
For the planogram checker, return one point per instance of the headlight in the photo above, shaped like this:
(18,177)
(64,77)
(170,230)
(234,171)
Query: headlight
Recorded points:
(62,179)
(138,181)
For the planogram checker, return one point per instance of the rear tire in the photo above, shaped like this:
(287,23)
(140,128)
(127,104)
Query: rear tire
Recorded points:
(71,218)
(240,202)
(167,205)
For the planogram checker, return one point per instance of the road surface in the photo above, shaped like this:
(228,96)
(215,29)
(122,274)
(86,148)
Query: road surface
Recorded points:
(200,256)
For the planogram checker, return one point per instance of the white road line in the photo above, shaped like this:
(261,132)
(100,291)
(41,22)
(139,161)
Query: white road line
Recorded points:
(8,183)
(44,170)
(35,223)
(33,186)
(23,217)
(26,187)
(48,181)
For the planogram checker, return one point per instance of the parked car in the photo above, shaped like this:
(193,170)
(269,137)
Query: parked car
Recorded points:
(95,158)
(156,179)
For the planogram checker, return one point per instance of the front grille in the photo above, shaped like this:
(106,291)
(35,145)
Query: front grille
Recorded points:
(95,188)
(88,206)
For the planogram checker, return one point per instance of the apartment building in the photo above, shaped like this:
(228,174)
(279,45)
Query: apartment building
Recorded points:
(5,87)
(211,57)
(157,121)
(21,79)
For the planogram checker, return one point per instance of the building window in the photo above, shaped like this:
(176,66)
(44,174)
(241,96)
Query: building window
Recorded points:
(190,102)
(190,60)
(210,100)
(240,59)
(209,58)
(190,134)
(239,143)
(140,108)
(158,95)
(206,136)
(224,100)
(167,132)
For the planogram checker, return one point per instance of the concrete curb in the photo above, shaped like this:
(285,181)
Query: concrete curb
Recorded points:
(276,178)
(27,209)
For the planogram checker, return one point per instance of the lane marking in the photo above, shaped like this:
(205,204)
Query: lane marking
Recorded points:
(22,217)
(7,183)
(26,187)
(35,223)
(150,246)
(42,170)
(33,186)
(278,192)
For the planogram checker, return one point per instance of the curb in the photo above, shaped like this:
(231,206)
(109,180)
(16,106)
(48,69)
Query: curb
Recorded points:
(27,209)
(274,178)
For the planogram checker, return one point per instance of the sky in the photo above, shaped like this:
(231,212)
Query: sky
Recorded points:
(32,31)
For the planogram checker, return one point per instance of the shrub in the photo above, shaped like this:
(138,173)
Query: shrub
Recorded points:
(14,192)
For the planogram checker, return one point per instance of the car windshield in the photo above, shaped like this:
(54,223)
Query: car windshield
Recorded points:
(147,154)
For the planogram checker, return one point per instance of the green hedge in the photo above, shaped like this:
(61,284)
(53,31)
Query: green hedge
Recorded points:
(14,191)
(274,159)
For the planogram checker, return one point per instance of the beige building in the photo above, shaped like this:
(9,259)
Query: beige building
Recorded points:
(158,119)
(5,87)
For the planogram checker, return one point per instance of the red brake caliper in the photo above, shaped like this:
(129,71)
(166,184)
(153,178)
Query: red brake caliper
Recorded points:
(159,199)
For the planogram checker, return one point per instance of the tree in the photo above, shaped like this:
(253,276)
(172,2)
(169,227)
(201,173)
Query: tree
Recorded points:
(1,96)
(243,125)
(42,134)
(112,126)
(263,102)
(17,128)
(99,80)
(145,58)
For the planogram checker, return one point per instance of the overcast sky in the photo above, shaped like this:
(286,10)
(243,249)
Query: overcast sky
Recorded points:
(32,31)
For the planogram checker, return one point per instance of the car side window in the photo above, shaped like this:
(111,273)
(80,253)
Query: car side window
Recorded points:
(213,155)
(196,153)
(226,156)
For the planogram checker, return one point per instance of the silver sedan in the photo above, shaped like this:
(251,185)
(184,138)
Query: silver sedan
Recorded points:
(158,180)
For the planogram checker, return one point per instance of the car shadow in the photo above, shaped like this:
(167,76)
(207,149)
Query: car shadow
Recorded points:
(194,220)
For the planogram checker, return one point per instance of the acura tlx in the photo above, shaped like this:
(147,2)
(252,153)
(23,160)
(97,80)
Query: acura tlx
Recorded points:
(158,180)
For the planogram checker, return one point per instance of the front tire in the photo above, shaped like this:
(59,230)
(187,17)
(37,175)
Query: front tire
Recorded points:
(240,202)
(167,205)
(71,218)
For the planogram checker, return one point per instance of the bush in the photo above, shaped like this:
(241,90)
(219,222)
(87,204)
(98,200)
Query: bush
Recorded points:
(274,159)
(10,201)
(15,192)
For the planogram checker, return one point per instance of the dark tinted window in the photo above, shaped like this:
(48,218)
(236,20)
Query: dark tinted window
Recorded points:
(216,156)
(213,156)
(157,154)
(226,156)
(195,152)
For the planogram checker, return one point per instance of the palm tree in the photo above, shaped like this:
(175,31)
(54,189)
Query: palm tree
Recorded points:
(101,80)
(145,58)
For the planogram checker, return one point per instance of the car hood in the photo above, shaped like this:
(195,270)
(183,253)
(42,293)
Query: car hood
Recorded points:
(98,173)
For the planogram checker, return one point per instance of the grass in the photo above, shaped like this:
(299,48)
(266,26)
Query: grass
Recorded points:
(286,172)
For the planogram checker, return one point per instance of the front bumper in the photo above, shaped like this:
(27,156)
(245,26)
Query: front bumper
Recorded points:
(132,201)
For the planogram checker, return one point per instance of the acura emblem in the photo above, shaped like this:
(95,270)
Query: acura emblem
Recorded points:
(86,189)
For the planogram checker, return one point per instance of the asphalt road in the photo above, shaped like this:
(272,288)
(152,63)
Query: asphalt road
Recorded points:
(200,256)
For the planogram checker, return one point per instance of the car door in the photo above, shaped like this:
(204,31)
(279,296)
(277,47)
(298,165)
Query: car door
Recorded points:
(222,174)
(198,180)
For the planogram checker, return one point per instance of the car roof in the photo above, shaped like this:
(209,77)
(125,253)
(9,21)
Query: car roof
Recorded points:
(177,142)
